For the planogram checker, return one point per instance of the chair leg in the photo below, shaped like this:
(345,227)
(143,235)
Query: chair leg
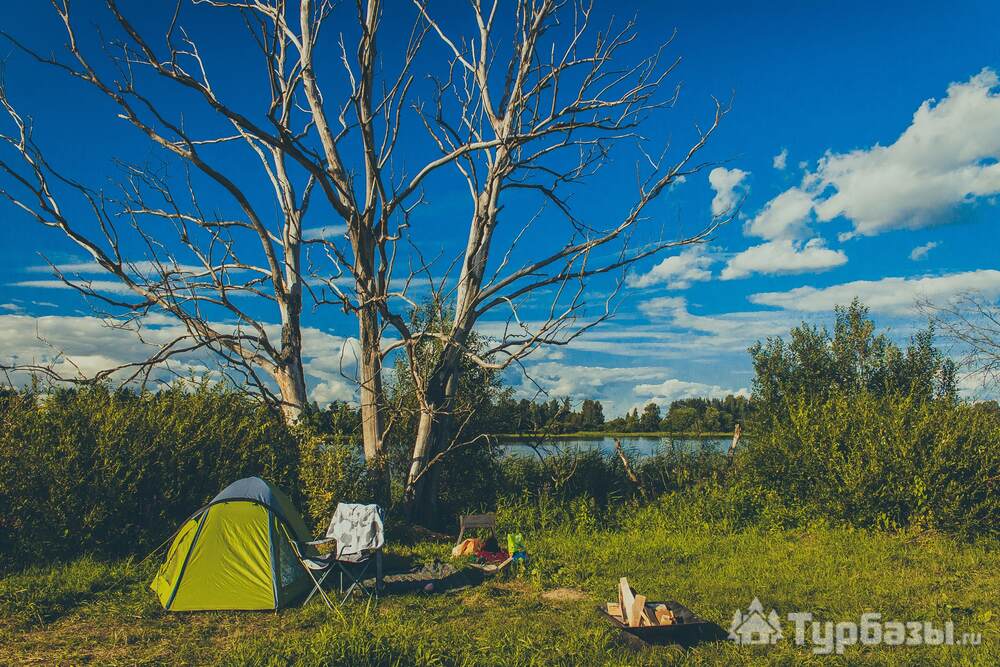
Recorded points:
(357,583)
(318,586)
(317,583)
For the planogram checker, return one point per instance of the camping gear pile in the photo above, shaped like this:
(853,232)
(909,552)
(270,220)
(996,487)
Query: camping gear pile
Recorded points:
(485,553)
(249,549)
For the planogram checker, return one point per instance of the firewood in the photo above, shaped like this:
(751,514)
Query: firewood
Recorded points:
(664,616)
(627,601)
(638,612)
(649,614)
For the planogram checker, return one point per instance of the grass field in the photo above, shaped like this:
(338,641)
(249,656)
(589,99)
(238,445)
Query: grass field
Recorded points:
(545,616)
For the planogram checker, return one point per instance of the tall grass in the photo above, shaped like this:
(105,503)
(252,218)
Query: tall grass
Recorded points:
(112,473)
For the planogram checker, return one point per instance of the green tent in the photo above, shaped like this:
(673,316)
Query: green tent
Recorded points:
(235,553)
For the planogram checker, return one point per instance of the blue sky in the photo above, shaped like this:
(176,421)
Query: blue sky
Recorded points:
(861,150)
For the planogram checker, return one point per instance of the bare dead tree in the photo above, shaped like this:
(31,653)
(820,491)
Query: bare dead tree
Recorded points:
(209,281)
(972,323)
(298,140)
(546,123)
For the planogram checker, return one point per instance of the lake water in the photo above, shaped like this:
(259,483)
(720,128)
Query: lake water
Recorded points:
(633,445)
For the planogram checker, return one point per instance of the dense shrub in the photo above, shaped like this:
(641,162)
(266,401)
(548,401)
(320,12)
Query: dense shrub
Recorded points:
(113,472)
(888,461)
(331,470)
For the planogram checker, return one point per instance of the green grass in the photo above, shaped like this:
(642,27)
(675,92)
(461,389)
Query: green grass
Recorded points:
(59,615)
(583,435)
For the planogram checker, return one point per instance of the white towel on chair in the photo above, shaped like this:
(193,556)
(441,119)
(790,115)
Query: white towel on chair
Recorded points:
(356,528)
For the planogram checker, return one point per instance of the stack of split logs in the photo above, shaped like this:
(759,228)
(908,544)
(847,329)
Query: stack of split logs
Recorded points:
(633,610)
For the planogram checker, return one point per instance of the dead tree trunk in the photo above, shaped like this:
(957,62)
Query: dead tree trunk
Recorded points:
(371,393)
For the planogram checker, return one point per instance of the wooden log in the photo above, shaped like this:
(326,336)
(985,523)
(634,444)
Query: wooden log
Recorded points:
(737,434)
(615,610)
(648,615)
(638,614)
(629,471)
(627,601)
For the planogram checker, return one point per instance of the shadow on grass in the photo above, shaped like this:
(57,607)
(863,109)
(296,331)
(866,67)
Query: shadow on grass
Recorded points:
(709,632)
(42,595)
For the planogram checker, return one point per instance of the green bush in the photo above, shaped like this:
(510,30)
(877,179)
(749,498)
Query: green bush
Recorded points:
(109,473)
(889,461)
(332,470)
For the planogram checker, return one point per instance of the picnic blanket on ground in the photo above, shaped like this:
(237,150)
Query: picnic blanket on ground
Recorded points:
(357,528)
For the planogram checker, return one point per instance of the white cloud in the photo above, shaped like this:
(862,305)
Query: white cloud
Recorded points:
(783,257)
(897,296)
(780,161)
(673,389)
(783,217)
(108,286)
(141,267)
(324,232)
(677,271)
(77,346)
(947,156)
(726,183)
(783,223)
(694,335)
(11,307)
(69,267)
(920,252)
(580,381)
(653,308)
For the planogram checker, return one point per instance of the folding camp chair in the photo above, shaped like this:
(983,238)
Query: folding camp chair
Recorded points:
(351,563)
(488,521)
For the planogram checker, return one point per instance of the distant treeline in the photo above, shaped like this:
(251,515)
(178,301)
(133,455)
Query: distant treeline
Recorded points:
(688,415)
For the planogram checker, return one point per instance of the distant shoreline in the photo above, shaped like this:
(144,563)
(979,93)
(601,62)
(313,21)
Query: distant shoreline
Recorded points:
(593,435)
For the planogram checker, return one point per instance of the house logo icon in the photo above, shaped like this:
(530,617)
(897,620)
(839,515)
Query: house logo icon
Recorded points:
(754,627)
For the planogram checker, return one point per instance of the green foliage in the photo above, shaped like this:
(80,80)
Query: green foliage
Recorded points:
(650,419)
(865,432)
(707,415)
(332,470)
(687,415)
(889,461)
(543,493)
(92,470)
(817,364)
